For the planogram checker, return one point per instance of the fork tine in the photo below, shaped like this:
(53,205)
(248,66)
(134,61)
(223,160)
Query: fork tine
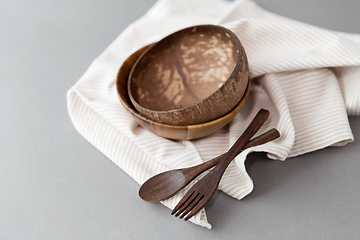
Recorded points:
(192,205)
(183,200)
(185,205)
(197,208)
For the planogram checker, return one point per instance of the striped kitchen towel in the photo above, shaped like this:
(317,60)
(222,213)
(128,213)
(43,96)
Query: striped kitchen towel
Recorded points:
(307,77)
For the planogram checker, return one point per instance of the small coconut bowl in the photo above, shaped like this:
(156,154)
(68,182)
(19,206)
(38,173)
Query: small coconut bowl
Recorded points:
(187,132)
(192,76)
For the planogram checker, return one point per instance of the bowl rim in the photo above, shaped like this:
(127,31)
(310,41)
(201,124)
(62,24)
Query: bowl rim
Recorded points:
(133,111)
(151,46)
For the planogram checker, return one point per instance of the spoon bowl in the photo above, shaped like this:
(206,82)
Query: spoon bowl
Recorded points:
(167,184)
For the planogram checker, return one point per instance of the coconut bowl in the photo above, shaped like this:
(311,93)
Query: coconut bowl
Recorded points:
(192,76)
(184,132)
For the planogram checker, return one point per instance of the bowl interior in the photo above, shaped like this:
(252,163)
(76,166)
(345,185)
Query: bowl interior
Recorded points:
(184,68)
(188,132)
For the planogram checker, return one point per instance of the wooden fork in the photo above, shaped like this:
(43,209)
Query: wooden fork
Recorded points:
(202,191)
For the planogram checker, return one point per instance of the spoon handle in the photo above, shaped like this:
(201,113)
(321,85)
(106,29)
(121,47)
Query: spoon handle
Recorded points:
(202,191)
(162,186)
(266,137)
(249,132)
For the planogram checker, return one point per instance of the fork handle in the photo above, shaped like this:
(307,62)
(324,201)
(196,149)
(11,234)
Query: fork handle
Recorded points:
(249,132)
(266,137)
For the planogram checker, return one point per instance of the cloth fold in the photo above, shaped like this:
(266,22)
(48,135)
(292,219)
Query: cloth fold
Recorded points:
(306,76)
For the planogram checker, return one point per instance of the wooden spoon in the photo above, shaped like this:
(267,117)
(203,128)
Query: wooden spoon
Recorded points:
(167,184)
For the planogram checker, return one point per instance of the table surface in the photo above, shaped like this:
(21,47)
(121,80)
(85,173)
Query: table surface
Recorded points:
(55,185)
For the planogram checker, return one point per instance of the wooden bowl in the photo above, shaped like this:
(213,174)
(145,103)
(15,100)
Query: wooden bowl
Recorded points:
(192,76)
(188,132)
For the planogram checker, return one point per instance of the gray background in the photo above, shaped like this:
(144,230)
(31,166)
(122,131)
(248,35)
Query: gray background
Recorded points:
(55,185)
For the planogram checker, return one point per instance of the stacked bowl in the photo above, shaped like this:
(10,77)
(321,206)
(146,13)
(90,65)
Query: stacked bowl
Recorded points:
(188,85)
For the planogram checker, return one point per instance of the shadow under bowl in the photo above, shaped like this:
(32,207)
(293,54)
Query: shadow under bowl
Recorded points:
(188,132)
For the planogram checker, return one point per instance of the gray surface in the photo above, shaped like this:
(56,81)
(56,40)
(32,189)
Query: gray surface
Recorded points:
(55,185)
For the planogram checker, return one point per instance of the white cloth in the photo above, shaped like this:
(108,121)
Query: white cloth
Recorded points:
(308,77)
